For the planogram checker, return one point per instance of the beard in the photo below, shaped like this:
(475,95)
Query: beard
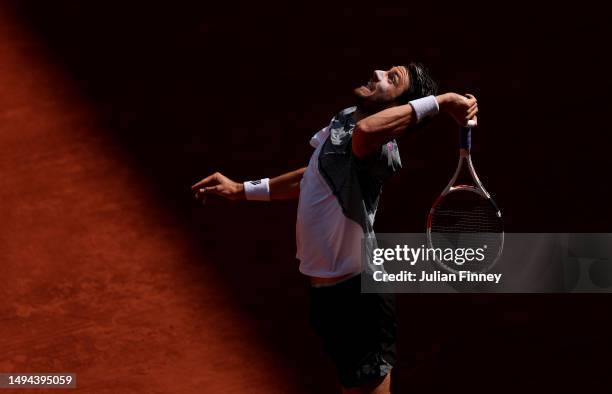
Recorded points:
(369,102)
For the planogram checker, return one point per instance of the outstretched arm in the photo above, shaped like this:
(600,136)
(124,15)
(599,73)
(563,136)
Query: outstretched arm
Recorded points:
(286,186)
(373,131)
(282,187)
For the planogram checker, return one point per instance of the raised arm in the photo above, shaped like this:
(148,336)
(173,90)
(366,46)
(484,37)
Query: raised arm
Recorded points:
(373,131)
(282,187)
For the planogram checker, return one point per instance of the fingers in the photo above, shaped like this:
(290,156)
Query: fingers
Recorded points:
(203,193)
(470,100)
(472,110)
(465,109)
(472,113)
(216,177)
(218,189)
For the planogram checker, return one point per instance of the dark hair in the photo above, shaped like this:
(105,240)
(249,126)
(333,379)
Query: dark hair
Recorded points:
(421,84)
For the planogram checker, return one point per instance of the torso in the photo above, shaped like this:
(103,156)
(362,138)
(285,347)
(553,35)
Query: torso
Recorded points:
(328,243)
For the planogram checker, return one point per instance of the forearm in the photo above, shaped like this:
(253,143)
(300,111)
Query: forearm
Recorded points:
(283,187)
(390,121)
(377,129)
(395,120)
(286,186)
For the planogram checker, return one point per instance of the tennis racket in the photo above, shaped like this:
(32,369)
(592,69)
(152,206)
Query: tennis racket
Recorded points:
(465,217)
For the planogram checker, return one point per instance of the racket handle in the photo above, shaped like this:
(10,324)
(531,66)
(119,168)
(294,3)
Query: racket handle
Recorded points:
(465,138)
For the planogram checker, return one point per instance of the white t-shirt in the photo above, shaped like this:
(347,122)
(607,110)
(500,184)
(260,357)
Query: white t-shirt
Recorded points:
(328,243)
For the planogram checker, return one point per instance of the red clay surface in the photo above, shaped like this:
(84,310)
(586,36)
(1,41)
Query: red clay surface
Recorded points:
(96,279)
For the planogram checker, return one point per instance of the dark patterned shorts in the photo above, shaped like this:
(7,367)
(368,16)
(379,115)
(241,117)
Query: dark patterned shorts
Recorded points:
(358,330)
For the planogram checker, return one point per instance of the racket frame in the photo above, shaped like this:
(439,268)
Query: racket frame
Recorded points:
(464,156)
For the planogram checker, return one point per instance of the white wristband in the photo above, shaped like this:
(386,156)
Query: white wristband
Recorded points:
(425,107)
(257,190)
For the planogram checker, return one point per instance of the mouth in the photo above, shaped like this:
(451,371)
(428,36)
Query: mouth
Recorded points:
(367,89)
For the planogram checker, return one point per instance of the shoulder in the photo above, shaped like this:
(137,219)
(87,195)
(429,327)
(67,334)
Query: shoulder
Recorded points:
(341,127)
(346,115)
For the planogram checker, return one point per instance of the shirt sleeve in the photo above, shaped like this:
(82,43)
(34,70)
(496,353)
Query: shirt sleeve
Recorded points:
(320,137)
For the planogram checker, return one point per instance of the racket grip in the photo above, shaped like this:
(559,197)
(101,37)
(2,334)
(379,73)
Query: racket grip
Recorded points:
(465,138)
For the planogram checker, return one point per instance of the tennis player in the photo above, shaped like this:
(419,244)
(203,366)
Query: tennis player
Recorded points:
(338,195)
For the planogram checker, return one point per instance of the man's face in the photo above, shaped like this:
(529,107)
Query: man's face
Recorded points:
(383,88)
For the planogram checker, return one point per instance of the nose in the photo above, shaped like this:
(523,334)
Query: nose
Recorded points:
(378,75)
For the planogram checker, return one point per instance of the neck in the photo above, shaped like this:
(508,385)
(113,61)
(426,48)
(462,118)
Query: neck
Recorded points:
(358,115)
(362,112)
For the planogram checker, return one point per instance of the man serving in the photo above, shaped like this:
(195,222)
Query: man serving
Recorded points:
(338,196)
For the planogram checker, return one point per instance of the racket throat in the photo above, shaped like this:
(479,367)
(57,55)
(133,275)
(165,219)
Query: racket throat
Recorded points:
(465,176)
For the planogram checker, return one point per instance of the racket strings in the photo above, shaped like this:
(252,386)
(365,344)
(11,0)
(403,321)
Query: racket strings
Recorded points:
(465,219)
(473,214)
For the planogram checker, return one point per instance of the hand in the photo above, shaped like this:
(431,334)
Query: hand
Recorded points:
(461,108)
(220,185)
